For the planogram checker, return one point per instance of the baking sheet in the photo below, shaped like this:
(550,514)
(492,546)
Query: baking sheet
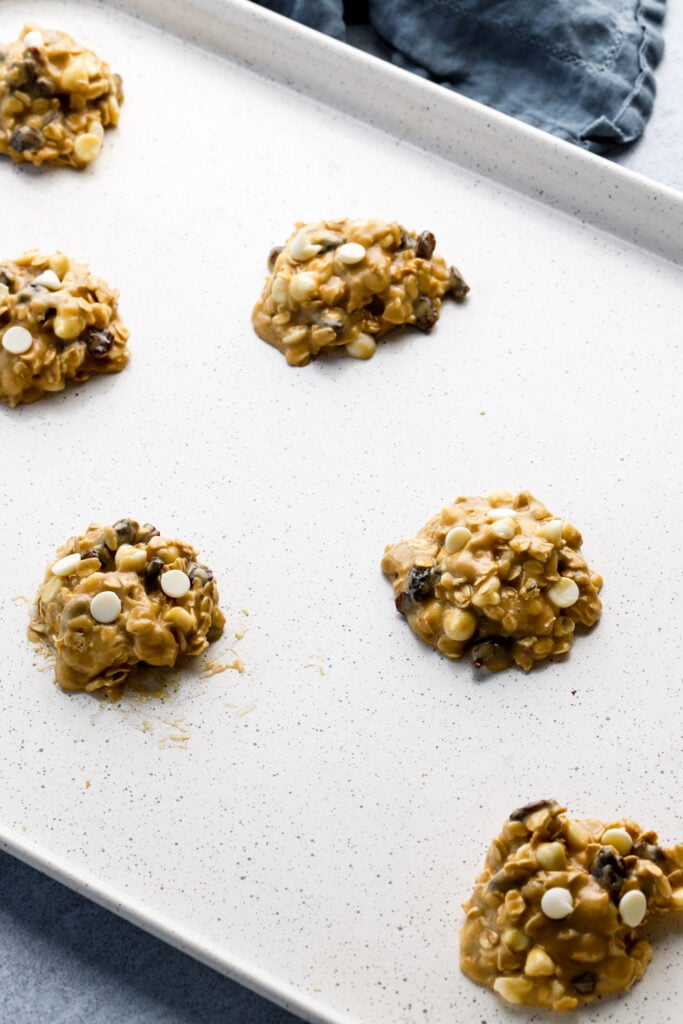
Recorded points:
(310,825)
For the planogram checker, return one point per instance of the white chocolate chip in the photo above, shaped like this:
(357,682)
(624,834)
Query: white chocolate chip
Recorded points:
(302,286)
(87,147)
(96,129)
(34,38)
(557,903)
(564,593)
(513,988)
(300,249)
(4,292)
(458,624)
(504,528)
(17,340)
(68,326)
(65,566)
(456,539)
(351,252)
(128,558)
(551,856)
(105,607)
(362,347)
(500,513)
(552,531)
(279,290)
(49,280)
(618,838)
(175,583)
(538,964)
(633,907)
(75,76)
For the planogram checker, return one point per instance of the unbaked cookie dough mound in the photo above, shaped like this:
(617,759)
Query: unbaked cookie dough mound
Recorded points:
(119,596)
(56,99)
(344,283)
(498,577)
(555,915)
(58,323)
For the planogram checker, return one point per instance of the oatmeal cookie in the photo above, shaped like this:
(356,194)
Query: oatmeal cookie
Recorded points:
(499,577)
(58,323)
(344,283)
(56,99)
(119,596)
(555,915)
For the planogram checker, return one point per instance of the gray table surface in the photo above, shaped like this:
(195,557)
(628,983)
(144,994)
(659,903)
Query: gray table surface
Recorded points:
(64,960)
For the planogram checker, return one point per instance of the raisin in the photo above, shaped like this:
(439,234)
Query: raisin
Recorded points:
(91,553)
(273,255)
(609,871)
(459,288)
(426,313)
(97,342)
(147,531)
(407,241)
(335,323)
(153,571)
(200,572)
(125,531)
(421,582)
(25,138)
(375,306)
(425,245)
(584,983)
(494,655)
(646,851)
(329,243)
(404,603)
(508,878)
(45,88)
(523,812)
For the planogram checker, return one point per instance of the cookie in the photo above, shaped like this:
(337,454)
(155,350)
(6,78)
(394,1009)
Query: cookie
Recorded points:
(555,918)
(345,283)
(119,596)
(58,323)
(56,99)
(498,577)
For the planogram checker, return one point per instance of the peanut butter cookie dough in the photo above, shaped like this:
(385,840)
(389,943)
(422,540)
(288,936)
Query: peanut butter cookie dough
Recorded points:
(555,915)
(499,577)
(56,99)
(57,323)
(119,596)
(344,283)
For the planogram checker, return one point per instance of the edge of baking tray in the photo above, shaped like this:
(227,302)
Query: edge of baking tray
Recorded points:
(473,136)
(240,970)
(585,186)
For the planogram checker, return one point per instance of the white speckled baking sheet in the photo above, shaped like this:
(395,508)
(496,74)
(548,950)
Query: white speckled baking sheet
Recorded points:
(311,825)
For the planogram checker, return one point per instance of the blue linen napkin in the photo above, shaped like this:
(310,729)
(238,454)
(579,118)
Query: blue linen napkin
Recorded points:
(580,69)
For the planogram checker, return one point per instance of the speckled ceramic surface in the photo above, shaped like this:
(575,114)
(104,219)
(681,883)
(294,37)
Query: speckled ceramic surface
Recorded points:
(311,825)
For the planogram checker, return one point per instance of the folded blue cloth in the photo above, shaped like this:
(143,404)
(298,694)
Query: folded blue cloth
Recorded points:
(580,69)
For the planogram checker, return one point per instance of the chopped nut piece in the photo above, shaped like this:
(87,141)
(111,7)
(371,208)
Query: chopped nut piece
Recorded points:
(56,99)
(556,938)
(61,321)
(489,561)
(110,578)
(361,279)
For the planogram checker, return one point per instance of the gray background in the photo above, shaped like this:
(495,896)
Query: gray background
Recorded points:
(64,959)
